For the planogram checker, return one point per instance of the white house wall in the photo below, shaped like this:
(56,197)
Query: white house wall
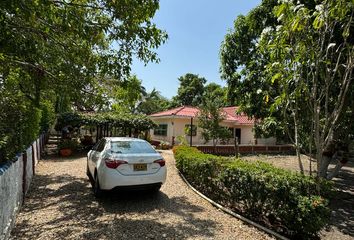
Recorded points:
(177,129)
(247,135)
(167,138)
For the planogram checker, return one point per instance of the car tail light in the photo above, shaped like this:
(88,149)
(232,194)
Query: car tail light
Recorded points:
(113,163)
(161,162)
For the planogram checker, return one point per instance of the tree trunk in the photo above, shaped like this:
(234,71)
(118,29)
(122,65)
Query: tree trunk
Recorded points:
(214,145)
(335,171)
(317,138)
(297,142)
(322,171)
(310,159)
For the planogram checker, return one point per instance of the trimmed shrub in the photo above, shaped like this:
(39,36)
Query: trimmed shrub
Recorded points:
(290,203)
(19,126)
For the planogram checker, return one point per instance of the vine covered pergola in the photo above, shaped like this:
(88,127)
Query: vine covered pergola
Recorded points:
(107,124)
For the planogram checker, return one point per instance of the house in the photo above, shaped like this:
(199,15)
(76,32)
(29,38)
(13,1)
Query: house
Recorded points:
(173,122)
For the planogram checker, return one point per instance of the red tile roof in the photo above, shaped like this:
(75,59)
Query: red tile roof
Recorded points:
(186,111)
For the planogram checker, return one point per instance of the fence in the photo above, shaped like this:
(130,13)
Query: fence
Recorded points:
(246,149)
(15,180)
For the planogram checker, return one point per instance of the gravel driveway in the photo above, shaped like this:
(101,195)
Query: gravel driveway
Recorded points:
(60,205)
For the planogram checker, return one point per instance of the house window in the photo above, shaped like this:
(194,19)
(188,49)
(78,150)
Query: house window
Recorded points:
(188,130)
(161,130)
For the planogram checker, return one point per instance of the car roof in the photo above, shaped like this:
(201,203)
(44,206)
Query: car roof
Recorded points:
(117,139)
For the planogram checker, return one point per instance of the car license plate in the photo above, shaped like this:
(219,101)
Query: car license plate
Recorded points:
(140,167)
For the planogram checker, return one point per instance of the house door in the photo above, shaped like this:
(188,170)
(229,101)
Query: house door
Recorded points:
(238,134)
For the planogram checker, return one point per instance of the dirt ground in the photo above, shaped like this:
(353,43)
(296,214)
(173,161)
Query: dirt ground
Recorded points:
(342,206)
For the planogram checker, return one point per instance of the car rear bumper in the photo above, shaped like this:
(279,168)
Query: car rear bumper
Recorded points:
(137,187)
(110,179)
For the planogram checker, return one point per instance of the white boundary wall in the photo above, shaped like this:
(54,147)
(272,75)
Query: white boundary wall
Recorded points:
(15,180)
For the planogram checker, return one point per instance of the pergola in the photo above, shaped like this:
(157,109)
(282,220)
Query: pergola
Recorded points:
(107,124)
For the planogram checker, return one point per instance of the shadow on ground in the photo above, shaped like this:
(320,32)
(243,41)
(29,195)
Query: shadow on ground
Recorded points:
(119,215)
(342,204)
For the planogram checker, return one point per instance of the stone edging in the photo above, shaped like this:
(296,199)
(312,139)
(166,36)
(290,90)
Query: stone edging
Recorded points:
(228,211)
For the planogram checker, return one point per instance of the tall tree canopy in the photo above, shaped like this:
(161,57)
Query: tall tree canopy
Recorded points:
(193,91)
(132,97)
(128,95)
(293,69)
(190,91)
(64,55)
(215,91)
(153,102)
(67,46)
(242,65)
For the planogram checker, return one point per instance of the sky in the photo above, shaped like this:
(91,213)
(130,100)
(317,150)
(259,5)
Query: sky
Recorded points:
(196,29)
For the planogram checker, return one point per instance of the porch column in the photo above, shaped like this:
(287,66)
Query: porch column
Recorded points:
(190,132)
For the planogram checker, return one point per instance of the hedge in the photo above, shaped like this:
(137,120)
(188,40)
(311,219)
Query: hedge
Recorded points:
(19,126)
(290,203)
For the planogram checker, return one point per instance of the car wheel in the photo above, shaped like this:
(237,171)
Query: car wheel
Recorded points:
(97,191)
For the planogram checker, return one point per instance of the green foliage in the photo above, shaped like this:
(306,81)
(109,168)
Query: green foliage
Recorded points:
(292,203)
(209,119)
(193,92)
(131,97)
(66,55)
(182,140)
(215,91)
(312,52)
(190,91)
(153,102)
(68,144)
(69,47)
(69,118)
(128,95)
(48,115)
(123,121)
(19,126)
(243,65)
(290,63)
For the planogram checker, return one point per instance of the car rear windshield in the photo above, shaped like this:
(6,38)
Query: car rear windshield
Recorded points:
(126,147)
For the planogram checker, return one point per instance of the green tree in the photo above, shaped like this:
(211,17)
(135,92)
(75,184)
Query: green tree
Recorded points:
(215,91)
(153,102)
(313,62)
(190,91)
(296,68)
(128,95)
(243,64)
(67,46)
(209,119)
(64,53)
(132,97)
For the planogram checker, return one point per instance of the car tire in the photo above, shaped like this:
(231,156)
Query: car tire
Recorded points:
(97,191)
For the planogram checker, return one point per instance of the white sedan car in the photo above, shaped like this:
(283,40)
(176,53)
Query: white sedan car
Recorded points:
(120,162)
